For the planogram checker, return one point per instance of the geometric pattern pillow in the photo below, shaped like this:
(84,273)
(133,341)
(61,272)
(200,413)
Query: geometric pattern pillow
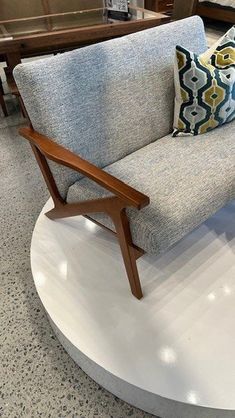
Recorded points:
(205,88)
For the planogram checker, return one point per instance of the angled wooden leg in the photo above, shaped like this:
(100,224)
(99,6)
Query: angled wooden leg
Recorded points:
(121,223)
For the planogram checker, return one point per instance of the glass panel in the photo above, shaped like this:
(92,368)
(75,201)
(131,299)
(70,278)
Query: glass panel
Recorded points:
(137,3)
(79,19)
(25,27)
(60,19)
(61,6)
(15,9)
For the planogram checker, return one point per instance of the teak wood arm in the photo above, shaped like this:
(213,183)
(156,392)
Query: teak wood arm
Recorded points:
(61,155)
(115,206)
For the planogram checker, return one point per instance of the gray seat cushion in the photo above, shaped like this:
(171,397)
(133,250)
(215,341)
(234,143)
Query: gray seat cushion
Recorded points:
(187,180)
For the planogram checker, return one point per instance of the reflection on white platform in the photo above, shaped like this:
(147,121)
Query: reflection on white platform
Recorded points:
(173,352)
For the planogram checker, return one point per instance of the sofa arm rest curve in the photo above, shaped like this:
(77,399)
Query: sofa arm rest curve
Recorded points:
(63,156)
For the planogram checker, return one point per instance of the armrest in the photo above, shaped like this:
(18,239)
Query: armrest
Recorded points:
(61,155)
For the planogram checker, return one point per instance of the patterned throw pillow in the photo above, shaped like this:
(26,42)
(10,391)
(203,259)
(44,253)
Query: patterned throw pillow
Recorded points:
(205,88)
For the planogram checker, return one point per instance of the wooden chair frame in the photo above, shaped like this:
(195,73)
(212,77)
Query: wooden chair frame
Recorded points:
(115,206)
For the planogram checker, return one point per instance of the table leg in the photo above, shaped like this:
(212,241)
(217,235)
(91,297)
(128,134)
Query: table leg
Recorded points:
(13,59)
(2,101)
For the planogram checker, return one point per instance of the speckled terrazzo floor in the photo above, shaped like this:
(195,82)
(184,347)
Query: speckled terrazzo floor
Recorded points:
(37,377)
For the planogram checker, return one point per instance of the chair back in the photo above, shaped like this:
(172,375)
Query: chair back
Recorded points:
(107,100)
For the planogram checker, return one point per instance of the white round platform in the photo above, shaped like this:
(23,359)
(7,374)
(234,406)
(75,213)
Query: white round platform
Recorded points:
(172,353)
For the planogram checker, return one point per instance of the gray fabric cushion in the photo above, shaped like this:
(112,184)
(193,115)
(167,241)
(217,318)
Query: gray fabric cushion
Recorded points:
(187,181)
(107,100)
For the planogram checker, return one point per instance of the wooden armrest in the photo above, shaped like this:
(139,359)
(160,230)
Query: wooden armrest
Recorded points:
(61,155)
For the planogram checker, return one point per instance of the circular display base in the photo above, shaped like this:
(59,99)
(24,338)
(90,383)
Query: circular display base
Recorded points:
(171,353)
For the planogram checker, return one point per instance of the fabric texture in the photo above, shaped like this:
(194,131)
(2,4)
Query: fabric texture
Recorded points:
(205,90)
(107,100)
(187,181)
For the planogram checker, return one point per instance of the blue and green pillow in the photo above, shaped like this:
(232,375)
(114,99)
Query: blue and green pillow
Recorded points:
(205,88)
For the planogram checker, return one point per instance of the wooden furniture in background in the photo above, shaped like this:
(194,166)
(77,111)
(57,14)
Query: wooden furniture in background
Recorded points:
(213,11)
(183,9)
(186,8)
(163,6)
(179,9)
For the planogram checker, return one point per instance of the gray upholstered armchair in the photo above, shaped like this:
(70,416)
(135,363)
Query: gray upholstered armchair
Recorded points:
(101,131)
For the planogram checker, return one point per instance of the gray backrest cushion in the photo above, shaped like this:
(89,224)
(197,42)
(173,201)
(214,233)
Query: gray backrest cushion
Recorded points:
(107,100)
